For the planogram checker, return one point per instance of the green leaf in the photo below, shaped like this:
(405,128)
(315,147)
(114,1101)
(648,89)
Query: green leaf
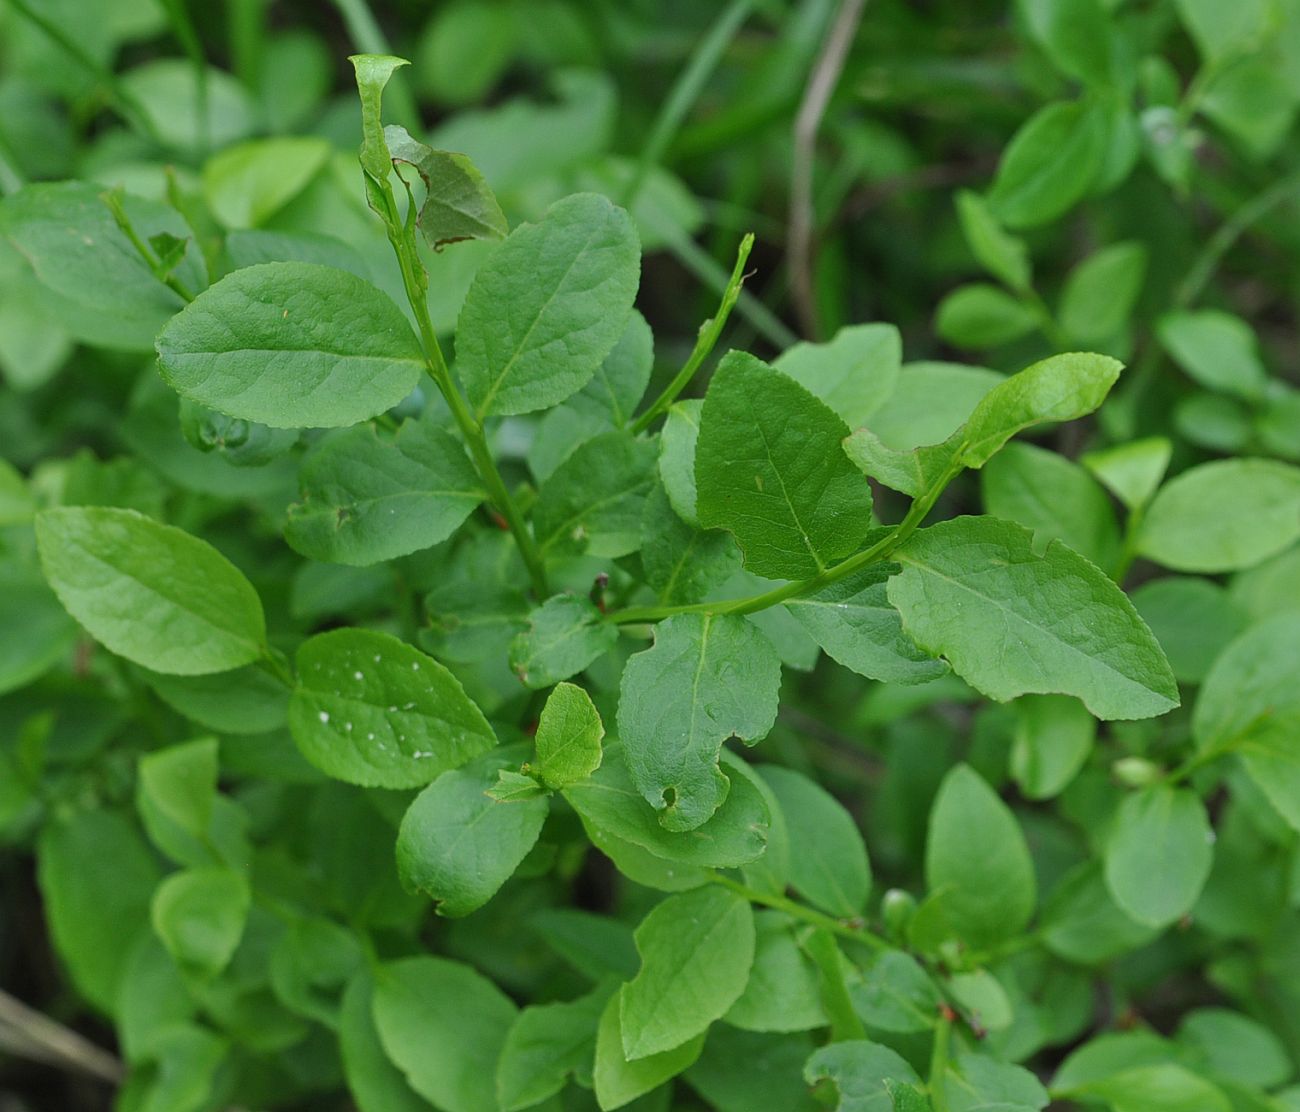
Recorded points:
(976,858)
(458,845)
(594,501)
(735,835)
(150,592)
(311,964)
(1194,620)
(981,1000)
(977,1083)
(95,915)
(1060,388)
(828,860)
(678,441)
(561,432)
(1162,1087)
(458,204)
(1221,31)
(706,678)
(1049,164)
(1082,923)
(1230,1044)
(619,1081)
(1223,515)
(185,1064)
(1053,739)
(564,635)
(860,1071)
(247,184)
(782,992)
(1100,292)
(622,377)
(931,402)
(547,1044)
(514,787)
(375,1083)
(1252,101)
(27,603)
(248,700)
(1158,854)
(682,563)
(1215,348)
(1077,36)
(240,443)
(547,307)
(1250,703)
(1131,471)
(853,373)
(696,951)
(444,1025)
(912,471)
(743,1070)
(979,316)
(853,621)
(1003,255)
(1012,622)
(17,506)
(897,994)
(907,1098)
(199,914)
(1054,497)
(769,468)
(371,710)
(93,279)
(568,738)
(292,345)
(368,497)
(373,72)
(181,783)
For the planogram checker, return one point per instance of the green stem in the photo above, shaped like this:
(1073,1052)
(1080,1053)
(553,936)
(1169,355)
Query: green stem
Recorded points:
(1047,325)
(837,927)
(402,239)
(878,552)
(1231,230)
(247,31)
(121,97)
(844,1020)
(114,203)
(183,27)
(11,178)
(1199,760)
(1128,550)
(707,269)
(704,343)
(685,92)
(939,1064)
(1200,85)
(275,662)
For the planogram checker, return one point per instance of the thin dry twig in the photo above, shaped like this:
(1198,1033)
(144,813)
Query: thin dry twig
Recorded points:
(27,1033)
(822,80)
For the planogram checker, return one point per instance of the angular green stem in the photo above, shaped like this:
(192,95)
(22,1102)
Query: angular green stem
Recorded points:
(402,239)
(877,553)
(796,910)
(939,1065)
(1231,230)
(704,343)
(114,203)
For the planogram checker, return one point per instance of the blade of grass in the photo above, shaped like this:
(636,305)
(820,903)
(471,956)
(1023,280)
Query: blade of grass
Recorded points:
(685,92)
